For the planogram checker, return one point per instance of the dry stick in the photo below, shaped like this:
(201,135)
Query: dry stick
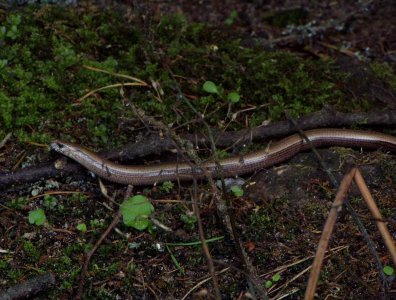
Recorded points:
(390,244)
(333,251)
(205,247)
(201,283)
(326,234)
(4,141)
(98,243)
(224,209)
(348,206)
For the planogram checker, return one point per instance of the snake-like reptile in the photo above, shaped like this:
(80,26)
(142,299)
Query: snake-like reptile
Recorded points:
(236,165)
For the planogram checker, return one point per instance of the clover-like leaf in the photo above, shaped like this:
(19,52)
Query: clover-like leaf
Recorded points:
(233,97)
(82,227)
(37,217)
(237,191)
(210,87)
(389,271)
(268,284)
(276,277)
(136,211)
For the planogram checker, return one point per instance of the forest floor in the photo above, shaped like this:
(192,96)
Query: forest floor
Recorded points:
(105,78)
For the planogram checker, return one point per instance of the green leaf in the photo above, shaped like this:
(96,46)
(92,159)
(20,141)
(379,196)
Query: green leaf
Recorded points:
(3,62)
(237,191)
(140,223)
(136,211)
(210,87)
(37,217)
(15,19)
(188,219)
(230,20)
(234,97)
(50,202)
(268,284)
(82,227)
(276,277)
(389,271)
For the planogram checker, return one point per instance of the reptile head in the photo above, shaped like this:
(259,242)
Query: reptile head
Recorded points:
(61,147)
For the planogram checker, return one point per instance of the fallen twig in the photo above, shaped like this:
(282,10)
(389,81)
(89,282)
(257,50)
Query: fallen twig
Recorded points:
(389,242)
(4,141)
(326,234)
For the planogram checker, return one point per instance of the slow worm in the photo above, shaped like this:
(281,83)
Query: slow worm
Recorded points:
(237,165)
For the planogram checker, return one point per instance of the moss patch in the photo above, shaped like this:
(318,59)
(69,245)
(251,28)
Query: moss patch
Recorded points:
(43,76)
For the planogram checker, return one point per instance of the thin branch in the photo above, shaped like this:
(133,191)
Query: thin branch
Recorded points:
(326,234)
(5,140)
(205,247)
(389,242)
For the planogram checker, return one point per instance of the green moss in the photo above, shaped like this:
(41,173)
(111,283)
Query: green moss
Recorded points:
(295,16)
(42,73)
(14,274)
(102,271)
(4,265)
(384,72)
(261,225)
(32,254)
(74,249)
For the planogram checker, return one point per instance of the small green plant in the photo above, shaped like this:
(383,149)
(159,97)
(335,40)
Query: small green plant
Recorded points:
(37,217)
(11,31)
(82,227)
(389,271)
(17,203)
(4,264)
(31,252)
(167,186)
(211,88)
(237,191)
(96,223)
(136,211)
(78,197)
(233,97)
(274,279)
(231,18)
(189,220)
(50,202)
